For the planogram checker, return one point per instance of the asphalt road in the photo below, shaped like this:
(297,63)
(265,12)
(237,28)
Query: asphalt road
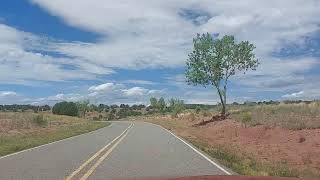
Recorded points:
(121,150)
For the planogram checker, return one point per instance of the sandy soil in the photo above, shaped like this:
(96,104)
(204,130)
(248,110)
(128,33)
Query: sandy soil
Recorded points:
(298,149)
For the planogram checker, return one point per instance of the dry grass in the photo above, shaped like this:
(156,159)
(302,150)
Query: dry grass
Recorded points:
(290,116)
(23,130)
(11,122)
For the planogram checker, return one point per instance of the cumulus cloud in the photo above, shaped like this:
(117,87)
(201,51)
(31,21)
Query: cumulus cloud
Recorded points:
(105,87)
(107,93)
(20,53)
(135,91)
(158,34)
(7,93)
(162,33)
(136,81)
(293,95)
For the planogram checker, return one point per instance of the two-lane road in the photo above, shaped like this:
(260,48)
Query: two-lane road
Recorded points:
(121,150)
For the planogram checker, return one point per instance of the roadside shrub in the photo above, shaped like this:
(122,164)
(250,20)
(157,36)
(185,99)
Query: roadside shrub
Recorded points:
(205,114)
(40,121)
(246,117)
(65,108)
(123,113)
(198,109)
(110,116)
(191,117)
(177,106)
(95,118)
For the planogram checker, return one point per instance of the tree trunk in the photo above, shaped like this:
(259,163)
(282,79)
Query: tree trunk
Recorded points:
(223,111)
(222,97)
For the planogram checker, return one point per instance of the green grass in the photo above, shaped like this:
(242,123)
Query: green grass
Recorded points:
(246,165)
(15,143)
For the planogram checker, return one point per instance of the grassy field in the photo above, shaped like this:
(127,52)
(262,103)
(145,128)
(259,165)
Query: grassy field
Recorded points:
(290,116)
(23,130)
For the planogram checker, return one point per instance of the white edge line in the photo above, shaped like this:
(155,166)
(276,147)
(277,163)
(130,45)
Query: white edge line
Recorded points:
(197,151)
(61,140)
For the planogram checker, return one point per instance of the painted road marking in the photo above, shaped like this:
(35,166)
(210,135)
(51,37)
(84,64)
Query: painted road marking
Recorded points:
(91,170)
(197,151)
(74,173)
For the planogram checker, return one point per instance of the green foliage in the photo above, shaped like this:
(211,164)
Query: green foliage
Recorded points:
(93,107)
(83,107)
(123,113)
(176,106)
(246,117)
(153,102)
(113,111)
(111,116)
(65,108)
(161,105)
(40,120)
(198,109)
(212,62)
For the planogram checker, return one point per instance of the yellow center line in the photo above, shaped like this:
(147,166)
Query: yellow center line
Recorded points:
(96,155)
(91,170)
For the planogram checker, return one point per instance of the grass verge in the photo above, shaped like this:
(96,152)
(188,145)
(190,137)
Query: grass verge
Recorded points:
(15,143)
(245,165)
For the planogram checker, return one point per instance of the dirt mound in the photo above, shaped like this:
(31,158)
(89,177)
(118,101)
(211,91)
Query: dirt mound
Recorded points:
(213,119)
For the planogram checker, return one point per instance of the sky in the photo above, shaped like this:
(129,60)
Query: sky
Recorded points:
(126,51)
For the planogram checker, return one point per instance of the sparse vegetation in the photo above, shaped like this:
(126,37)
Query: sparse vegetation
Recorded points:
(245,117)
(246,165)
(23,130)
(289,116)
(176,106)
(40,120)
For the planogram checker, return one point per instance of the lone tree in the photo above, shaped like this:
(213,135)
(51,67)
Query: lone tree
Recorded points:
(212,62)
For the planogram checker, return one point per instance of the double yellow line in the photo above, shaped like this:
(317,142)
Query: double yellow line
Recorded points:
(114,144)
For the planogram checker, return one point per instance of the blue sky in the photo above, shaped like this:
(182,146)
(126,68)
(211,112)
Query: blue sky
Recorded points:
(126,52)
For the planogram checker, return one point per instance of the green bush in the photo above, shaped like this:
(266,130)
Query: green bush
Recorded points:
(246,117)
(110,116)
(198,109)
(177,106)
(40,121)
(65,108)
(123,113)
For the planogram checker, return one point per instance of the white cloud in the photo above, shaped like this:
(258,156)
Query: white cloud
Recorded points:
(20,53)
(107,93)
(142,82)
(135,91)
(155,34)
(158,34)
(105,87)
(7,93)
(294,95)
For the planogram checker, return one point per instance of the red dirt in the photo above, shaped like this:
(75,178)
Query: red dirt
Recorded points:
(297,149)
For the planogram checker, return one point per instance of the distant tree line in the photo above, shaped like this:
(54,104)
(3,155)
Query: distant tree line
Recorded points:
(173,106)
(25,107)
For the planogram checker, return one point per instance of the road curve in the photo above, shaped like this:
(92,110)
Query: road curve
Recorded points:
(121,150)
